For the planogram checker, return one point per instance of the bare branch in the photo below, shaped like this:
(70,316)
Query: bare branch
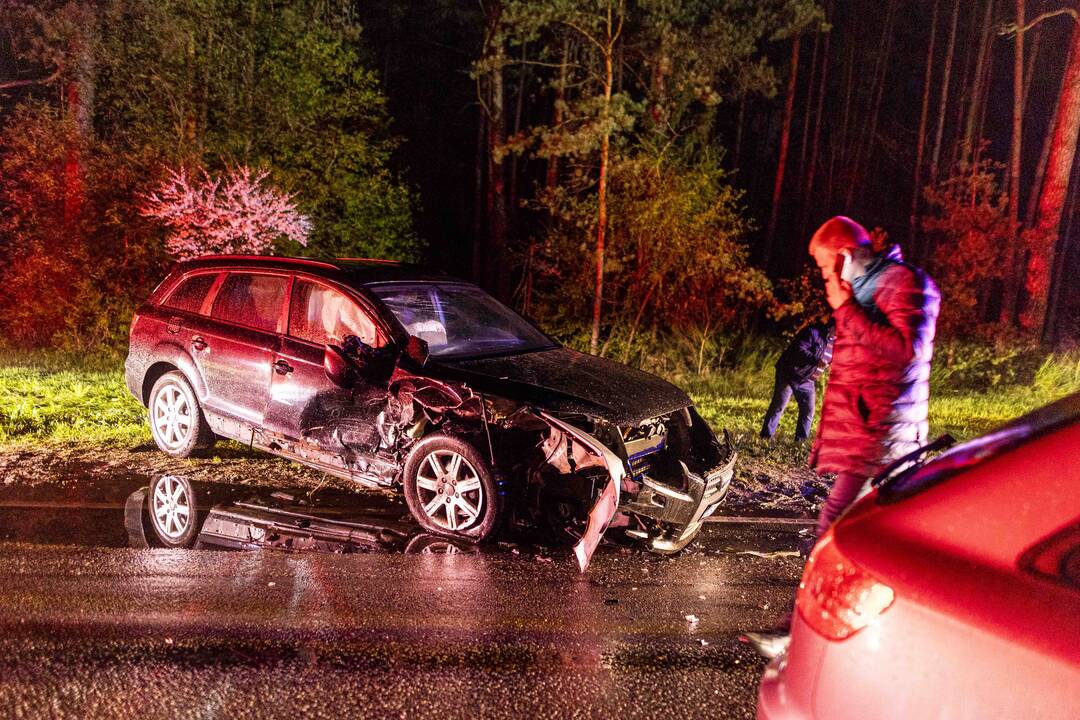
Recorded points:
(10,84)
(1012,29)
(584,33)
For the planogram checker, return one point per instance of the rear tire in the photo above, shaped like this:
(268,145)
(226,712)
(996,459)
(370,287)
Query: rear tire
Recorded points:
(174,518)
(451,490)
(176,418)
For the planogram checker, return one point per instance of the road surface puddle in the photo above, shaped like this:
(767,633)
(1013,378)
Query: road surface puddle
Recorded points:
(116,512)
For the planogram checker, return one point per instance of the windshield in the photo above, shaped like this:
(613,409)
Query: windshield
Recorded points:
(458,320)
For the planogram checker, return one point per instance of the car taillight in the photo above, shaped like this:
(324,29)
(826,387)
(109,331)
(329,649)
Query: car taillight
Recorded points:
(836,597)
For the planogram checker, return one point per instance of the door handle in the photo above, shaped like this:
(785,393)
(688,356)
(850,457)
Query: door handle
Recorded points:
(198,343)
(282,368)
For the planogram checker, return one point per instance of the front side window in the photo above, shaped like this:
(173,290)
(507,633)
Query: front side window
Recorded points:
(190,293)
(325,316)
(459,320)
(252,300)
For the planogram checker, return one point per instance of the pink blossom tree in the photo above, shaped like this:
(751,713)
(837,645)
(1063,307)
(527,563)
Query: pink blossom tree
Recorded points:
(238,212)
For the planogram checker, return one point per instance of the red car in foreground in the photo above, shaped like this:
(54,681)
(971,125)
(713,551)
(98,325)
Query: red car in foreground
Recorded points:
(951,591)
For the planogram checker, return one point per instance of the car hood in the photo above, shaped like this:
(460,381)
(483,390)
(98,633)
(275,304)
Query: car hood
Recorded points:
(564,380)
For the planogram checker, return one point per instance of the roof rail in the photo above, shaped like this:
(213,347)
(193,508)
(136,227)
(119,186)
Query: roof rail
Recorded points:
(379,261)
(268,258)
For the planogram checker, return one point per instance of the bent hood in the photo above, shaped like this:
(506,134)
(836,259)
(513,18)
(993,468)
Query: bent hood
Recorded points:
(566,381)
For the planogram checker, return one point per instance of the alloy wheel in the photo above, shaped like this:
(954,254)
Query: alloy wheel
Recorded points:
(449,490)
(173,416)
(170,508)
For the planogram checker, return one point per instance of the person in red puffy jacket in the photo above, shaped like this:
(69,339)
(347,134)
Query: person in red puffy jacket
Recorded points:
(876,401)
(875,407)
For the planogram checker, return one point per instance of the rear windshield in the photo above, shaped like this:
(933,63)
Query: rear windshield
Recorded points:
(1019,432)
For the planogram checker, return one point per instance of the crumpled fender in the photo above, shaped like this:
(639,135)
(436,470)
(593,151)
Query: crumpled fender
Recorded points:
(607,504)
(429,393)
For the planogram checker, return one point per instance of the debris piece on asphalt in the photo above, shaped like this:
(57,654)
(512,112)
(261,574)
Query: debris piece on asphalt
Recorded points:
(773,554)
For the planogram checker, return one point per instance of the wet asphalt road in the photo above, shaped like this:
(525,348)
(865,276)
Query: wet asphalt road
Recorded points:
(92,628)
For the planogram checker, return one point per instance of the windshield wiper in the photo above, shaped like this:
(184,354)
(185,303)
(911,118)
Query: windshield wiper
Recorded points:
(899,468)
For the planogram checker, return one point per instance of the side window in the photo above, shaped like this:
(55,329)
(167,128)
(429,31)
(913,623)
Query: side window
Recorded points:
(252,300)
(190,293)
(324,316)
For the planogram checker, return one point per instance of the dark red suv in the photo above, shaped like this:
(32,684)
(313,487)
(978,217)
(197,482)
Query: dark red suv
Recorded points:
(389,376)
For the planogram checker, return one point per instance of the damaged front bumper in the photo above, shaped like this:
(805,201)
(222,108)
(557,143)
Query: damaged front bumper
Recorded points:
(678,513)
(670,515)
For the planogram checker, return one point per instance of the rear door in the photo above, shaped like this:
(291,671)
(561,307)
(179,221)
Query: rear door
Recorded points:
(235,349)
(182,313)
(303,401)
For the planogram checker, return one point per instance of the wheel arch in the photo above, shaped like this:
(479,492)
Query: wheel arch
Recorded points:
(172,358)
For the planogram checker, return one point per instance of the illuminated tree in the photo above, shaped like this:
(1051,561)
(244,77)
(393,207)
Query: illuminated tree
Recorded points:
(237,213)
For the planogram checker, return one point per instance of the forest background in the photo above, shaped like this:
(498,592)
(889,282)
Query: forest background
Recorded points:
(640,177)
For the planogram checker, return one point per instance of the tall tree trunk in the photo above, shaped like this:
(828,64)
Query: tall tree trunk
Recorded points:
(1014,274)
(984,106)
(523,82)
(944,102)
(877,93)
(920,145)
(496,272)
(480,160)
(1061,259)
(1044,157)
(815,144)
(838,148)
(601,209)
(1056,185)
(1033,57)
(785,139)
(739,130)
(552,178)
(79,104)
(808,105)
(980,83)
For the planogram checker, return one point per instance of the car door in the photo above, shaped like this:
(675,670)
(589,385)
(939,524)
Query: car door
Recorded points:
(235,349)
(183,312)
(304,403)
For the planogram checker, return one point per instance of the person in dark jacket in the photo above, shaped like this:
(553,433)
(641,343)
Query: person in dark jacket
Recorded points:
(797,371)
(876,403)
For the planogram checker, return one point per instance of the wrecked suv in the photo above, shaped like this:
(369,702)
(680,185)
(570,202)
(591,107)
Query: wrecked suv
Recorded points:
(391,377)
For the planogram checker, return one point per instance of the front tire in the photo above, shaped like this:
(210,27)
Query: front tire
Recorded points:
(176,419)
(450,489)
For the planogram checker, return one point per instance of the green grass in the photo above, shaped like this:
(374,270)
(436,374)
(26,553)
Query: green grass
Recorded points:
(64,398)
(39,401)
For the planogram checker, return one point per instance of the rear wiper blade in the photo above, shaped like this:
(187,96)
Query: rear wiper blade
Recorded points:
(900,467)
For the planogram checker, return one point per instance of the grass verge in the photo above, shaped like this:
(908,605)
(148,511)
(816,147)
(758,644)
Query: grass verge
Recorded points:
(52,398)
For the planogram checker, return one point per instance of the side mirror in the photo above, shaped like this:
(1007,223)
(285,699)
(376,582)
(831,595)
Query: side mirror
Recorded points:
(338,368)
(417,351)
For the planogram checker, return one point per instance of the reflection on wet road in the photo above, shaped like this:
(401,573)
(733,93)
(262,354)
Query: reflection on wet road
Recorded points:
(91,627)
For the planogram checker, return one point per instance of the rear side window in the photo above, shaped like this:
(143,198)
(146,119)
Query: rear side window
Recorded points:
(325,316)
(252,300)
(190,293)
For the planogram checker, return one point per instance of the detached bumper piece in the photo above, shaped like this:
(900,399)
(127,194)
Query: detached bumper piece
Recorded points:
(678,512)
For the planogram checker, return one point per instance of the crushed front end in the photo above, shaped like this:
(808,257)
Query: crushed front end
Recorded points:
(662,477)
(679,473)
